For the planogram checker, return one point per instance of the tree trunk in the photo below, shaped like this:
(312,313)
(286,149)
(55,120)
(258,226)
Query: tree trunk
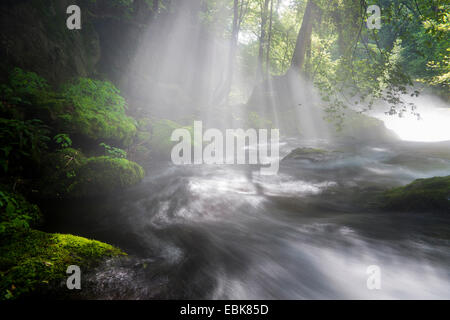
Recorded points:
(262,39)
(304,37)
(155,7)
(233,47)
(222,93)
(269,40)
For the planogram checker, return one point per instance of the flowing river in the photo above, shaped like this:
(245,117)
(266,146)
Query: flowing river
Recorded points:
(310,232)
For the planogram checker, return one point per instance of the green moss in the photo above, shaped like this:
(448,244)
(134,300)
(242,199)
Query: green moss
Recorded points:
(31,260)
(102,175)
(431,194)
(98,112)
(68,174)
(34,260)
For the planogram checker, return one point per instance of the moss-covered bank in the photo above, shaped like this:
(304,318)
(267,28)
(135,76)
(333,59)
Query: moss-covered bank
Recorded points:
(431,194)
(32,260)
(40,125)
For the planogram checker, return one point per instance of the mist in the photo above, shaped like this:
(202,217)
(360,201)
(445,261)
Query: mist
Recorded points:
(428,122)
(224,150)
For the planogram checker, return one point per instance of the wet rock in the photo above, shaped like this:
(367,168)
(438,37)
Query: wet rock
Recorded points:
(431,194)
(310,154)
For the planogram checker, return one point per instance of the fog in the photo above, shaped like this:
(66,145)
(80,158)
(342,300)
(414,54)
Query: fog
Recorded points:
(432,123)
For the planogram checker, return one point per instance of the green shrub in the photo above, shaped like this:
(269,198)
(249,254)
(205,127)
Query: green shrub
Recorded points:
(21,141)
(113,151)
(59,172)
(16,213)
(23,87)
(62,140)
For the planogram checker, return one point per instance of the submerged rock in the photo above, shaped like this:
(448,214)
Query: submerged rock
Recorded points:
(310,154)
(431,194)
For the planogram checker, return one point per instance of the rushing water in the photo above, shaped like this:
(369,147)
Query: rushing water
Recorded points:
(223,232)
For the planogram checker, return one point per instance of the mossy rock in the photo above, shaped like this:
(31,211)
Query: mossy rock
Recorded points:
(32,261)
(364,128)
(97,111)
(70,174)
(103,175)
(431,194)
(161,144)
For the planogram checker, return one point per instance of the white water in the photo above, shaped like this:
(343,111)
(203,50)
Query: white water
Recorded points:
(221,232)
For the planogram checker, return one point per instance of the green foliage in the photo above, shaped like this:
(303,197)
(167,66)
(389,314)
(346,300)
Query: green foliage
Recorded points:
(21,141)
(351,65)
(22,93)
(113,151)
(63,140)
(98,111)
(26,95)
(24,83)
(58,172)
(23,87)
(16,214)
(431,194)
